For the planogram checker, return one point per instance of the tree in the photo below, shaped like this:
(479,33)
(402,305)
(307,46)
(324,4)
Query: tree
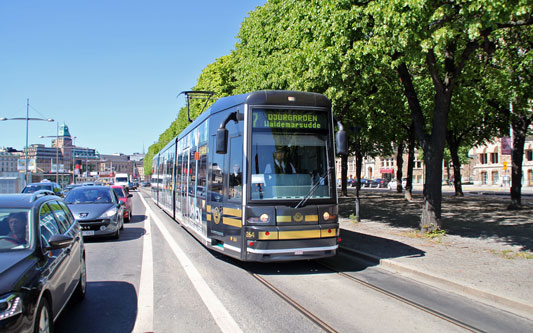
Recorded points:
(439,37)
(512,89)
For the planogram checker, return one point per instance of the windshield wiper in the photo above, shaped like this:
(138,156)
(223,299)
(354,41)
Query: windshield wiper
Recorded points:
(313,189)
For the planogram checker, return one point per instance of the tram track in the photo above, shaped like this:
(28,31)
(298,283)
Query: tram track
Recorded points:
(327,328)
(319,322)
(403,300)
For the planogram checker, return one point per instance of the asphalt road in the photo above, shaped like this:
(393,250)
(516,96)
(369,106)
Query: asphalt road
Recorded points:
(158,278)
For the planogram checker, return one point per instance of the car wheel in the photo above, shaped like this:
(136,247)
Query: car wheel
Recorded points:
(43,319)
(81,288)
(116,235)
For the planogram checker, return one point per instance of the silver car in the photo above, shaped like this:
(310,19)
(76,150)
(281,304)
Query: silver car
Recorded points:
(97,209)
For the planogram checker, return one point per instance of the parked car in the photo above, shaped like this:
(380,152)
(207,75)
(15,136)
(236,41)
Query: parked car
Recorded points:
(42,261)
(124,195)
(44,185)
(364,182)
(97,209)
(392,185)
(379,182)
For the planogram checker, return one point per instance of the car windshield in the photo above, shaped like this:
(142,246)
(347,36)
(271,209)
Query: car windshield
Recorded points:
(15,230)
(289,155)
(119,192)
(37,187)
(84,195)
(121,180)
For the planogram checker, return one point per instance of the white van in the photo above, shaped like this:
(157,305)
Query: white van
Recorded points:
(122,179)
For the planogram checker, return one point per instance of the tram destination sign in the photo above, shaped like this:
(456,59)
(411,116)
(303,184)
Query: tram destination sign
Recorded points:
(290,119)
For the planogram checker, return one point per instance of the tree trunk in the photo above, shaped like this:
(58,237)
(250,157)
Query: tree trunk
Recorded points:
(433,145)
(410,164)
(433,156)
(520,124)
(344,175)
(358,167)
(454,152)
(399,164)
(431,211)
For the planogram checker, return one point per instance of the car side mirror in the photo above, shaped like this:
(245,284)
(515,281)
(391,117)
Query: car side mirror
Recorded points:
(59,242)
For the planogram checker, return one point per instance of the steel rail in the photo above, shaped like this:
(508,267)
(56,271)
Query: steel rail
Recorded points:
(319,322)
(404,300)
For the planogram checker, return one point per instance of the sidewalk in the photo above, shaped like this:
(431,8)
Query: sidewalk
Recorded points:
(486,253)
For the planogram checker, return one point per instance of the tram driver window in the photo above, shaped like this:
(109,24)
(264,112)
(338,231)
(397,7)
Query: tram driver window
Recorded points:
(235,172)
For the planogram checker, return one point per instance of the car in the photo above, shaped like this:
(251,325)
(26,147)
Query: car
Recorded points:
(97,209)
(364,182)
(132,186)
(379,182)
(70,187)
(124,195)
(392,185)
(44,185)
(146,184)
(42,261)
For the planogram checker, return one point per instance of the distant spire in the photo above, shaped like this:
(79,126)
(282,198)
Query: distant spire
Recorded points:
(63,130)
(143,147)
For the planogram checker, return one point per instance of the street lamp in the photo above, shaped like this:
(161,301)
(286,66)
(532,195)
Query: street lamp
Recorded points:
(27,125)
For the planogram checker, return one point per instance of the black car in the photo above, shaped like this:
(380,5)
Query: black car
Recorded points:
(42,261)
(44,185)
(98,210)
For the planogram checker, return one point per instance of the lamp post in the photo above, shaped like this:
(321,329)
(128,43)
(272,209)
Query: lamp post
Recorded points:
(27,119)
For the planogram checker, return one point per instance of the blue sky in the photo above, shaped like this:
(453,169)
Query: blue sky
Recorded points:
(110,70)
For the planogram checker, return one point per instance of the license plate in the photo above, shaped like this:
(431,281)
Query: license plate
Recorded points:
(299,252)
(87,233)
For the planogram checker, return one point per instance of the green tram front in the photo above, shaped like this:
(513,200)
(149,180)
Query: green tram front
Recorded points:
(280,183)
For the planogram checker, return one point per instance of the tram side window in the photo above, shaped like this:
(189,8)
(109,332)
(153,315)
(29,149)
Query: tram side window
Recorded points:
(192,172)
(235,172)
(202,171)
(178,182)
(216,174)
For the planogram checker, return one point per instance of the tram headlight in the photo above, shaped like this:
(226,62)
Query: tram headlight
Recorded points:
(326,216)
(264,218)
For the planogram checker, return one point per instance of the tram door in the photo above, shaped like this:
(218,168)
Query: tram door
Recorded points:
(179,186)
(215,196)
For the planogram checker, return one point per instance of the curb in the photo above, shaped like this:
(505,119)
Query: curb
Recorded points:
(516,307)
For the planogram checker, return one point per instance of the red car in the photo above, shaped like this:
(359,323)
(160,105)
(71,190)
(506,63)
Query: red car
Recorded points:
(124,195)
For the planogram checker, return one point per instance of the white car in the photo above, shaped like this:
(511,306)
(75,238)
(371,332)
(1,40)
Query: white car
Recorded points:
(394,183)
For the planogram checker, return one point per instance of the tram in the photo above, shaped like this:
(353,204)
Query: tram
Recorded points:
(253,176)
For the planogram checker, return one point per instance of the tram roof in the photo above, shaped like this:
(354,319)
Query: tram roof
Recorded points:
(261,97)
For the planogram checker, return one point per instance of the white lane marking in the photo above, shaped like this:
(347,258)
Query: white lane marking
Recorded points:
(220,314)
(145,302)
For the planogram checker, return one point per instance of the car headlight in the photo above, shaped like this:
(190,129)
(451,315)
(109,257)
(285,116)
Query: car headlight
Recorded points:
(109,213)
(10,306)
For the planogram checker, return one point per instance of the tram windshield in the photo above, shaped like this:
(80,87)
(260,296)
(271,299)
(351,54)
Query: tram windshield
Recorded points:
(289,155)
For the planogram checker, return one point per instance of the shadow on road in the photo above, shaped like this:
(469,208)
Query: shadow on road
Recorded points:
(109,306)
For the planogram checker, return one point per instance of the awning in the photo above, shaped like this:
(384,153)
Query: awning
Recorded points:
(386,171)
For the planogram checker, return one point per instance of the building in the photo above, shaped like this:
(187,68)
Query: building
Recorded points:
(8,159)
(11,181)
(490,164)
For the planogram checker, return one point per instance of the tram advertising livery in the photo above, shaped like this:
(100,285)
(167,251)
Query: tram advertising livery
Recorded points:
(254,176)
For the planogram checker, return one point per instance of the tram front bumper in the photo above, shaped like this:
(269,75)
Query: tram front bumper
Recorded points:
(291,243)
